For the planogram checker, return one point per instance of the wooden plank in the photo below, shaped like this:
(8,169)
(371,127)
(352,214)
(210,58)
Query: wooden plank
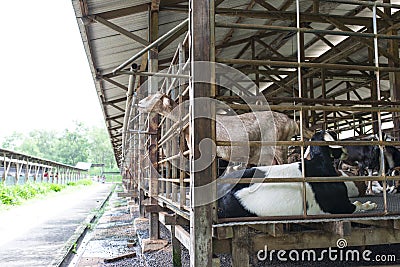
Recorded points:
(167,218)
(315,239)
(121,30)
(151,208)
(223,232)
(395,224)
(183,236)
(124,11)
(120,257)
(240,246)
(272,229)
(340,228)
(320,239)
(127,194)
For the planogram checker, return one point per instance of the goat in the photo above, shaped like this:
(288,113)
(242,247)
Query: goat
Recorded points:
(395,184)
(367,158)
(392,164)
(244,127)
(280,199)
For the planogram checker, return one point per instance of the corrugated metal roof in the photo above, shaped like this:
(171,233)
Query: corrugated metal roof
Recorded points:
(106,49)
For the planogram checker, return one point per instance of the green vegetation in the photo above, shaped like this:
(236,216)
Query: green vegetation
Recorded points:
(16,194)
(81,144)
(80,182)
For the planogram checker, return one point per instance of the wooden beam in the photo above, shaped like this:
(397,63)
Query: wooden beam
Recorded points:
(273,229)
(266,5)
(183,236)
(167,218)
(223,232)
(115,117)
(114,101)
(340,228)
(116,107)
(229,34)
(172,38)
(123,87)
(123,11)
(366,41)
(201,214)
(316,239)
(120,30)
(291,16)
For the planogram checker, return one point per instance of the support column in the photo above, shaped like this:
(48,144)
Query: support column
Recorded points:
(27,171)
(240,246)
(202,128)
(153,120)
(17,172)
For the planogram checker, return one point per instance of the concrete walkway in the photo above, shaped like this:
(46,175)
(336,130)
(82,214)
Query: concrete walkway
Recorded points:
(33,234)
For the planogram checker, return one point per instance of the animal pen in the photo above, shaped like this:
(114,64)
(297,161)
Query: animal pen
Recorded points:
(327,64)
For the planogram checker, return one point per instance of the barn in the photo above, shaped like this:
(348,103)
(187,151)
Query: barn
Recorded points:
(324,64)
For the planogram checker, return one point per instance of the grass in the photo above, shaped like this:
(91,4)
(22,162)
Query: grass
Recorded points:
(16,194)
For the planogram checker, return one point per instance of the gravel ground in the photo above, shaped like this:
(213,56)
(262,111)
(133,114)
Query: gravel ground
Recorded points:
(110,238)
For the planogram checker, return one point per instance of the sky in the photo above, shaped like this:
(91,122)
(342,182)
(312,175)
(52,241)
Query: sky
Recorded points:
(46,81)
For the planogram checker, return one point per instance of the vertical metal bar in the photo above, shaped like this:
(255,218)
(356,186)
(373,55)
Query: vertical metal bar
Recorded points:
(182,173)
(378,94)
(300,82)
(174,144)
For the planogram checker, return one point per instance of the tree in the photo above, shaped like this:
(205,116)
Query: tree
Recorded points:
(100,148)
(12,141)
(73,146)
(68,147)
(40,143)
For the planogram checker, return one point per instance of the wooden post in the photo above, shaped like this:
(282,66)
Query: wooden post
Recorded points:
(35,175)
(141,167)
(4,176)
(323,86)
(201,214)
(17,172)
(27,171)
(176,249)
(240,246)
(153,121)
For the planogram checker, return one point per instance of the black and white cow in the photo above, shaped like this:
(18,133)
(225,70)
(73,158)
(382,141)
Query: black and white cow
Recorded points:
(280,199)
